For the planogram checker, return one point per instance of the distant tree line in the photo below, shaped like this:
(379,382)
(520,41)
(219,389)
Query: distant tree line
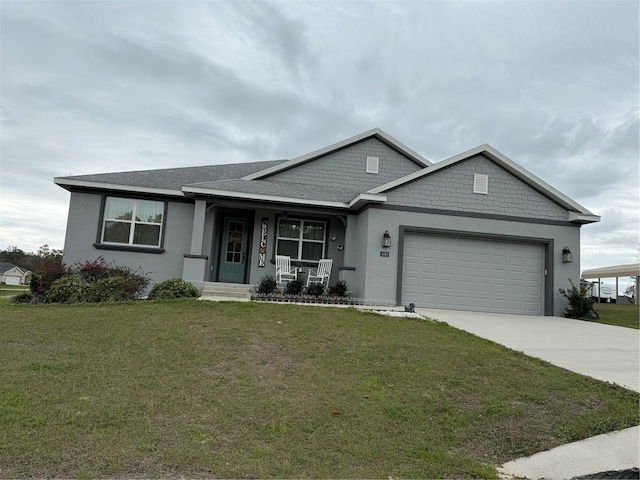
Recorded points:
(31,261)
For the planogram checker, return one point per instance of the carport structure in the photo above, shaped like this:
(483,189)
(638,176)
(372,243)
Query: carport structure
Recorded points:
(617,271)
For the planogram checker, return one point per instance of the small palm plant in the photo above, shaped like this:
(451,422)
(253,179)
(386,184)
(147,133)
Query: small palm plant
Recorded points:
(580,303)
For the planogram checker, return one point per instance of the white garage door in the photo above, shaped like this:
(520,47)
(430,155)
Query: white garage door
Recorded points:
(472,274)
(12,280)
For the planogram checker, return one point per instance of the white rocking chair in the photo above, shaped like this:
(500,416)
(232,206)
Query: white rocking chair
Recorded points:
(284,272)
(322,273)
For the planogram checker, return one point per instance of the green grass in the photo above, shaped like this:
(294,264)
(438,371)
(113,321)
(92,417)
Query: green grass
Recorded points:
(204,389)
(621,315)
(8,289)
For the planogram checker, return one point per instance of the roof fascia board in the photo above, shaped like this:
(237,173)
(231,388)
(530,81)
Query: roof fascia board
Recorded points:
(262,197)
(503,161)
(356,202)
(65,182)
(376,132)
(365,198)
(583,218)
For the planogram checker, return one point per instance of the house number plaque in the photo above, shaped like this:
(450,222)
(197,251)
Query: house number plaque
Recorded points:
(262,253)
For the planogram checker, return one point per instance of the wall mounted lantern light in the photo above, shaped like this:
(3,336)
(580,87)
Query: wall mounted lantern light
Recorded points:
(567,256)
(386,239)
(285,215)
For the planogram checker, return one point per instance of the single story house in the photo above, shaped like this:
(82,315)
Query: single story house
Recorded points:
(11,274)
(473,232)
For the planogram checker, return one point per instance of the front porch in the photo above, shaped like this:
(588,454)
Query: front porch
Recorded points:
(235,244)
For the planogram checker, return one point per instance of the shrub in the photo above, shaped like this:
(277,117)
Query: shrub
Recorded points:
(67,290)
(48,273)
(133,284)
(173,288)
(294,287)
(315,289)
(22,298)
(89,281)
(266,285)
(579,302)
(110,289)
(92,271)
(340,289)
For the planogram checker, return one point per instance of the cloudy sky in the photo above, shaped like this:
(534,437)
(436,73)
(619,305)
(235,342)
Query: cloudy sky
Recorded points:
(91,87)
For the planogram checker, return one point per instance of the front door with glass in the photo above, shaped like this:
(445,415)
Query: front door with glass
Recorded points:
(233,250)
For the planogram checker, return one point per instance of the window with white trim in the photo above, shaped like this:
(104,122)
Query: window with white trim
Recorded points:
(302,240)
(128,221)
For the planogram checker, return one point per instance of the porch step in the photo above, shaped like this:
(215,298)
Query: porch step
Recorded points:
(226,292)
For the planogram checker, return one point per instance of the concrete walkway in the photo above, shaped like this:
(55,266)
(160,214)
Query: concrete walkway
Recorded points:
(604,352)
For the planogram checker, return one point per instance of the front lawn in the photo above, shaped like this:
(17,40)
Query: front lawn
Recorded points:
(205,389)
(621,315)
(13,289)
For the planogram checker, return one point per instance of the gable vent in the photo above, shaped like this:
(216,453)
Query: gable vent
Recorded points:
(372,164)
(480,183)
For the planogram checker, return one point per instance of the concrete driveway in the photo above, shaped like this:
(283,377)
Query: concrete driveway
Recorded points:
(603,352)
(600,351)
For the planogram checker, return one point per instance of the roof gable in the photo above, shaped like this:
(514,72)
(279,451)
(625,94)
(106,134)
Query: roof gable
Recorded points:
(576,212)
(375,133)
(348,167)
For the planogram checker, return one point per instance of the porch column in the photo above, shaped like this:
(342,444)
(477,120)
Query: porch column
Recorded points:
(197,233)
(195,262)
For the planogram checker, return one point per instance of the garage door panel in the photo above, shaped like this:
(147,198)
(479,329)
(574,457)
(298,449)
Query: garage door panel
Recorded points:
(531,308)
(12,280)
(473,274)
(498,304)
(412,281)
(532,292)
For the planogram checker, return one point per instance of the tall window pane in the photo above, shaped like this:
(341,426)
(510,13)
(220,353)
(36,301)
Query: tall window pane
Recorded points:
(288,248)
(311,251)
(313,230)
(117,232)
(149,211)
(118,209)
(146,234)
(289,228)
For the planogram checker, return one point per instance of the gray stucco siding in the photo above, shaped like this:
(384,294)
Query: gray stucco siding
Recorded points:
(83,228)
(452,189)
(346,168)
(355,253)
(380,273)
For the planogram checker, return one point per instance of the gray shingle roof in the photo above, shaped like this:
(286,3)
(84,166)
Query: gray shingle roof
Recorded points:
(175,178)
(281,189)
(6,266)
(221,178)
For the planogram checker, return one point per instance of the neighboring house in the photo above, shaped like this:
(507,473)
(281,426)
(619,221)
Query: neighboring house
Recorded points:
(473,232)
(11,274)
